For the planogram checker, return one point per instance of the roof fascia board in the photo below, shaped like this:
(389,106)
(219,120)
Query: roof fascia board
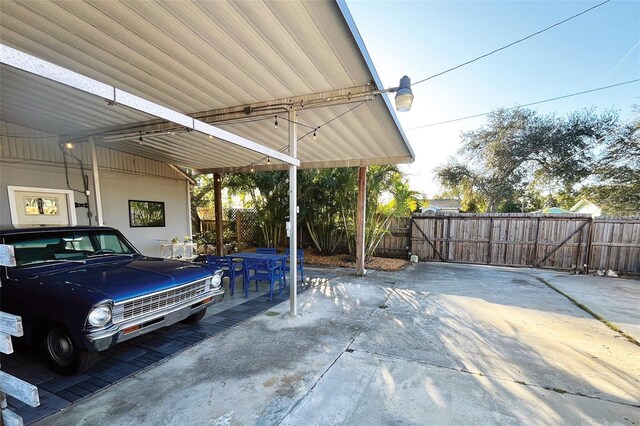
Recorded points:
(344,9)
(29,63)
(379,161)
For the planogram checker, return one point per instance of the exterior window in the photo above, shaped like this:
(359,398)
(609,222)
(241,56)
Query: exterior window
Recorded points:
(146,214)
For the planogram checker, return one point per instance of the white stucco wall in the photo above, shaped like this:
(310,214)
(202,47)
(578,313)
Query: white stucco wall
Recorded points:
(36,160)
(42,176)
(119,188)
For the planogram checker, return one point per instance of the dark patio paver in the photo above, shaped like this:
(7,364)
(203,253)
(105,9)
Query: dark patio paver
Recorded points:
(118,363)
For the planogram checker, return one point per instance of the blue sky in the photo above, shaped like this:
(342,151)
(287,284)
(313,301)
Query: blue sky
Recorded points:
(422,38)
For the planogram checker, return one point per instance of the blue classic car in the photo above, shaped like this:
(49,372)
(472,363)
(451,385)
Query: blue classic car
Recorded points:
(81,290)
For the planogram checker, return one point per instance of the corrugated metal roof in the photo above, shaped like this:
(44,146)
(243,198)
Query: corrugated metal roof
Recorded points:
(200,56)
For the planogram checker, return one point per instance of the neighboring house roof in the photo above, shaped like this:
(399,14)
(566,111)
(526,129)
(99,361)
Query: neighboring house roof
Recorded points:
(445,204)
(553,210)
(585,206)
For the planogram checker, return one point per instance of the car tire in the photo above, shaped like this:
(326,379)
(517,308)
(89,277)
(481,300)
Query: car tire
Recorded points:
(192,319)
(63,356)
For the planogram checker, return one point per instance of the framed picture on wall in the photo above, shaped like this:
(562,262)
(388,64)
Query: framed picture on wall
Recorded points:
(146,214)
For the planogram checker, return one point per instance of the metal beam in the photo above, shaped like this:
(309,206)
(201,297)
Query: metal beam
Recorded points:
(293,215)
(113,95)
(258,109)
(217,200)
(360,220)
(96,182)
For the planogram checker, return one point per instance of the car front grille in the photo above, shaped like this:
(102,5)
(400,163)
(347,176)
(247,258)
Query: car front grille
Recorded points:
(159,301)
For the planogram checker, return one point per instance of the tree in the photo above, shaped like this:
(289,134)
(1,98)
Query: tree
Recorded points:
(518,154)
(381,180)
(320,205)
(327,203)
(201,195)
(269,195)
(618,172)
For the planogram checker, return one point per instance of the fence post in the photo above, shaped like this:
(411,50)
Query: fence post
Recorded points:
(489,240)
(590,244)
(239,225)
(534,257)
(446,238)
(578,250)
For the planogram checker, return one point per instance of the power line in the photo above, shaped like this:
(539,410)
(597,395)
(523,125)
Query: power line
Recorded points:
(511,44)
(525,105)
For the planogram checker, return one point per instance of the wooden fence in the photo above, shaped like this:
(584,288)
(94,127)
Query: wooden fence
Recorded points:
(397,242)
(244,224)
(547,241)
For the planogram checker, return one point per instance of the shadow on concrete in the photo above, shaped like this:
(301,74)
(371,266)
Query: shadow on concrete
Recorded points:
(503,325)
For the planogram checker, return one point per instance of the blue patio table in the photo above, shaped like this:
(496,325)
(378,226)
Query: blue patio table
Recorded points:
(274,257)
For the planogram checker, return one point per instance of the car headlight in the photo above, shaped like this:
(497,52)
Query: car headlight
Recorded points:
(99,315)
(216,280)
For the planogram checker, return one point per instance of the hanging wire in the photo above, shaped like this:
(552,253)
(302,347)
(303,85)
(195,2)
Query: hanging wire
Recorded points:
(313,131)
(524,105)
(510,44)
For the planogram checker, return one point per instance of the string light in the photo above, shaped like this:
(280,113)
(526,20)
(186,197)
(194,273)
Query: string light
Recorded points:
(268,160)
(252,168)
(314,134)
(68,145)
(276,123)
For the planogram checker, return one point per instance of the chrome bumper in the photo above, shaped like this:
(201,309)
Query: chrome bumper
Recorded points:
(105,338)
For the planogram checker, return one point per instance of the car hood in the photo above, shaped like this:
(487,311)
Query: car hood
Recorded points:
(121,279)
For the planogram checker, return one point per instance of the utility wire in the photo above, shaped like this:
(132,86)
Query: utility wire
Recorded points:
(511,44)
(524,105)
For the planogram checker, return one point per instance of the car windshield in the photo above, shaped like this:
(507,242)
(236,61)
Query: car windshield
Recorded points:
(48,247)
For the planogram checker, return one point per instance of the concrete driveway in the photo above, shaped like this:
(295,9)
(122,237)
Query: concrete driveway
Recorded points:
(434,344)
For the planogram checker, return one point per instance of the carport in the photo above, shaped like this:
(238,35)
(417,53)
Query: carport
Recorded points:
(215,87)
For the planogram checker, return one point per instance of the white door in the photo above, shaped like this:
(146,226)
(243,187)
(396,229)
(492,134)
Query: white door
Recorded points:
(41,206)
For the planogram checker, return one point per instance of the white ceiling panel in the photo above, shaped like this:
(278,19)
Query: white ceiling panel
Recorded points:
(194,56)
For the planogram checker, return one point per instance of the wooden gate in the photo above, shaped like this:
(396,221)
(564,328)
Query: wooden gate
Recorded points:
(548,241)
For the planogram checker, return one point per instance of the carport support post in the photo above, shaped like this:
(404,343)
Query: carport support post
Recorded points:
(217,207)
(293,214)
(360,220)
(96,181)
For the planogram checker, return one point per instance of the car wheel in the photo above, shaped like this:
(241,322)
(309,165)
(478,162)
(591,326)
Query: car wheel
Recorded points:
(194,318)
(63,357)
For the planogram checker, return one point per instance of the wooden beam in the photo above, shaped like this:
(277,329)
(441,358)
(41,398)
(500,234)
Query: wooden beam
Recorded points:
(10,418)
(6,347)
(548,255)
(217,199)
(11,324)
(360,220)
(19,389)
(428,240)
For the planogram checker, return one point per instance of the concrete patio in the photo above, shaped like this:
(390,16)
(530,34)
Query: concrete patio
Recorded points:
(434,344)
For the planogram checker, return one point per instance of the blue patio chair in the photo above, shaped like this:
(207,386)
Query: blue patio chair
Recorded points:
(263,270)
(266,250)
(230,269)
(300,262)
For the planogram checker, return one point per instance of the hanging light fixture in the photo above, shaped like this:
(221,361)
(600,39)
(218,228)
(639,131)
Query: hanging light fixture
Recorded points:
(404,95)
(140,141)
(314,133)
(276,123)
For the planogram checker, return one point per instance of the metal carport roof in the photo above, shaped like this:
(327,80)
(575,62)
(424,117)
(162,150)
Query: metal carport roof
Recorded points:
(239,62)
